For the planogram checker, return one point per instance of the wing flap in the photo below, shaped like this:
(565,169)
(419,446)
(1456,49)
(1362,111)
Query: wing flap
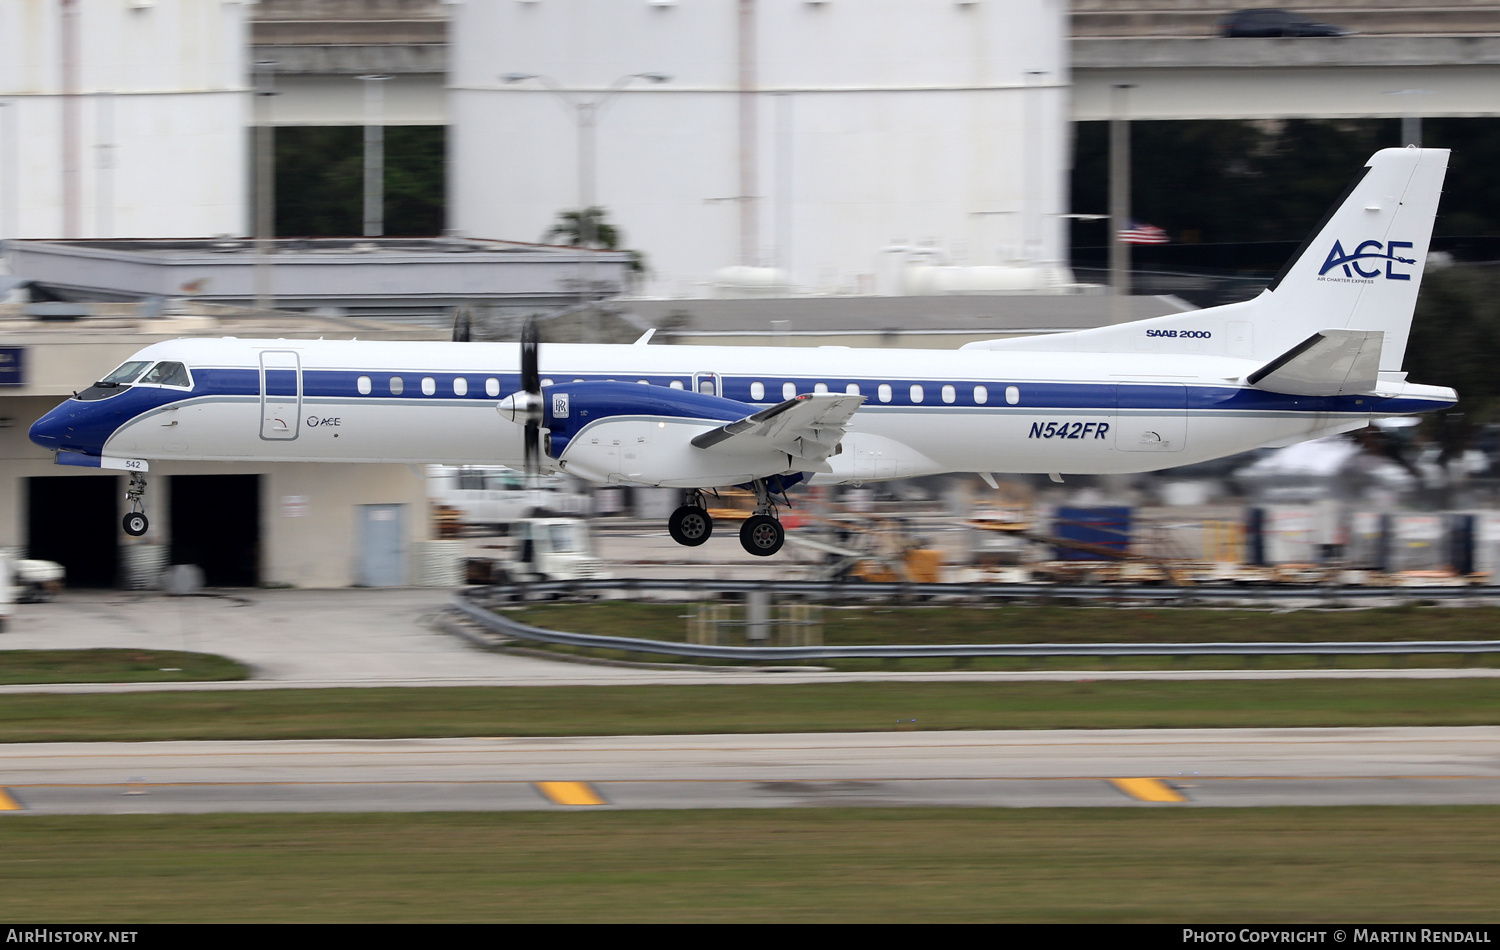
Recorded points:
(807,427)
(1328,363)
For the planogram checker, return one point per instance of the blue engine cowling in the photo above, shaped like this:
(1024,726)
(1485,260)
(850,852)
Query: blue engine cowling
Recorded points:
(628,433)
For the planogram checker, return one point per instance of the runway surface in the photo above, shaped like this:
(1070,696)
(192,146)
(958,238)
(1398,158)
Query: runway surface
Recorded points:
(1143,768)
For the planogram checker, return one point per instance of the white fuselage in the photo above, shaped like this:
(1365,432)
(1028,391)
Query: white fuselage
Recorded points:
(925,412)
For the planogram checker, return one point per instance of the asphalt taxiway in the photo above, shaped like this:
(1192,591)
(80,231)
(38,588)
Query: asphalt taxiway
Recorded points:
(1146,768)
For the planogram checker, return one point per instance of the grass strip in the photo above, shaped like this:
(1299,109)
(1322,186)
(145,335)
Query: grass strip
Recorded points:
(116,666)
(675,710)
(1232,865)
(948,624)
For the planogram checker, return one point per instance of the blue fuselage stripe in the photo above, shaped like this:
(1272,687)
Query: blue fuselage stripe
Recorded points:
(86,426)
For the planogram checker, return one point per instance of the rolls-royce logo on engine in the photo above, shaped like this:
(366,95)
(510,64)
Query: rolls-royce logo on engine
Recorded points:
(560,405)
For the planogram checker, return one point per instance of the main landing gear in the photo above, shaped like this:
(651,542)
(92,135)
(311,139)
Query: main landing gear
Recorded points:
(135,523)
(760,535)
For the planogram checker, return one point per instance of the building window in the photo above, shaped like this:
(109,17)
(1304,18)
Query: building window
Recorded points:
(916,393)
(363,385)
(757,391)
(1012,395)
(885,392)
(397,386)
(788,390)
(460,386)
(981,395)
(429,386)
(949,394)
(492,387)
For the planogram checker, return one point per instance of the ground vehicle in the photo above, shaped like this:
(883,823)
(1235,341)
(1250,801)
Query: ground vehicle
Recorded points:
(1273,22)
(494,496)
(553,549)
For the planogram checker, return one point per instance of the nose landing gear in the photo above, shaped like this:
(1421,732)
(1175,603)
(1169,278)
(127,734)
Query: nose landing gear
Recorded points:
(135,522)
(691,524)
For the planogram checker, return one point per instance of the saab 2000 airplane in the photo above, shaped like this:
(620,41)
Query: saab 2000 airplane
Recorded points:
(1318,352)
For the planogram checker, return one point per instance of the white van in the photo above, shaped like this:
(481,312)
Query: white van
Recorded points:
(488,495)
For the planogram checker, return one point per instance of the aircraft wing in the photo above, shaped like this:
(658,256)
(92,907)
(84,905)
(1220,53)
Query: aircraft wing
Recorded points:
(807,427)
(1328,363)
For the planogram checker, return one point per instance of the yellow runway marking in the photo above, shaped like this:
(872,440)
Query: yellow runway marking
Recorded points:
(7,803)
(1148,789)
(570,793)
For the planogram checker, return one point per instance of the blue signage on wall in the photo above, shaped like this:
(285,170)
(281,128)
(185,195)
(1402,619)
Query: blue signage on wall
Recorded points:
(12,366)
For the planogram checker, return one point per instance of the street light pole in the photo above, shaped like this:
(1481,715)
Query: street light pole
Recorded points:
(374,154)
(1119,204)
(586,113)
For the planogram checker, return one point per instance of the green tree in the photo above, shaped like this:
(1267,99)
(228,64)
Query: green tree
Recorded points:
(1455,337)
(590,227)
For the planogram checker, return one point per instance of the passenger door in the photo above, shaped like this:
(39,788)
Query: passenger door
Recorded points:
(280,394)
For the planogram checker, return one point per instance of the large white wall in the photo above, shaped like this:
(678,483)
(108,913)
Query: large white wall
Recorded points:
(163,112)
(880,122)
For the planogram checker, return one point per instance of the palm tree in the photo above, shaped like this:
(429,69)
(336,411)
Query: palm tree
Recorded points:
(588,228)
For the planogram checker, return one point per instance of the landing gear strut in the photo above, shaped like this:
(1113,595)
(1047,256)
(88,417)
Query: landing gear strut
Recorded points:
(761,534)
(135,523)
(691,524)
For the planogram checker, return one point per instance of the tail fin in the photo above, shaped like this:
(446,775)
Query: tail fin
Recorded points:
(1362,267)
(1360,270)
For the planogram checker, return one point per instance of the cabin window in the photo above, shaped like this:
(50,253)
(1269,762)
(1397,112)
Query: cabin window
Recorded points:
(757,391)
(916,393)
(398,386)
(1012,395)
(852,389)
(546,382)
(460,386)
(429,386)
(644,382)
(492,387)
(168,374)
(981,395)
(706,386)
(884,392)
(949,394)
(788,390)
(821,388)
(676,384)
(363,385)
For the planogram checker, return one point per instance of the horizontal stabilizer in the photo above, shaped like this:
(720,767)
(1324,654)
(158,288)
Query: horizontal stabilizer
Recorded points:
(1328,363)
(807,427)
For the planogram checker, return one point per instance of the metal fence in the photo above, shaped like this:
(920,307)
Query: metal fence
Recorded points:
(478,605)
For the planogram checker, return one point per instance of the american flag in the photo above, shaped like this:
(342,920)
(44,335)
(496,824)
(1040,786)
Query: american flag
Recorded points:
(1139,233)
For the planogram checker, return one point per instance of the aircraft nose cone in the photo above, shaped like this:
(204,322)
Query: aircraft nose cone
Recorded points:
(50,430)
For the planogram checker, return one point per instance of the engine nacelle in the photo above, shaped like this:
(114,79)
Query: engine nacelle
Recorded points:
(627,433)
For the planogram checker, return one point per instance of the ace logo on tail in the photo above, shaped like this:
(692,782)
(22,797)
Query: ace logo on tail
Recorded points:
(1367,251)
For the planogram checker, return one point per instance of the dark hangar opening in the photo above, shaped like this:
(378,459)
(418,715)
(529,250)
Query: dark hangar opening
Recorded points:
(75,521)
(216,525)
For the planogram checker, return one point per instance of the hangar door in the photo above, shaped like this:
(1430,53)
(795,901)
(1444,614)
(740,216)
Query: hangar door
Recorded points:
(75,521)
(215,524)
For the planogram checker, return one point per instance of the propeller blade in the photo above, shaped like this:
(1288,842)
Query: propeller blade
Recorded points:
(533,449)
(531,377)
(531,383)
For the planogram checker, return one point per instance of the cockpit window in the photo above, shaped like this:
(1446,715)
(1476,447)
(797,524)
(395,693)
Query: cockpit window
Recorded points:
(126,373)
(168,374)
